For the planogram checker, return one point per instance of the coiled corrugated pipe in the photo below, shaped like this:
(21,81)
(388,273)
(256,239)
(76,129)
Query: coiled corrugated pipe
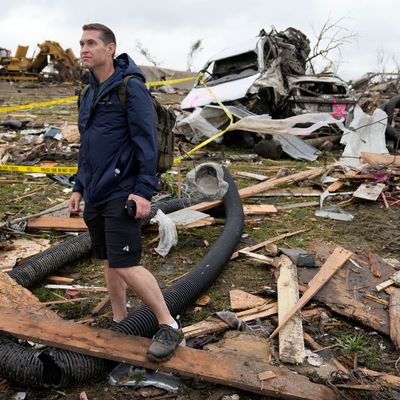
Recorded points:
(188,289)
(60,368)
(38,267)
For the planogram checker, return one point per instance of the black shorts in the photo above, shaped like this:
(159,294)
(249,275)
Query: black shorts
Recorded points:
(115,235)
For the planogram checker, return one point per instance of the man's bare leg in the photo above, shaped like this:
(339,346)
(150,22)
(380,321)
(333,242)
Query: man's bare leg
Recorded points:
(147,290)
(117,291)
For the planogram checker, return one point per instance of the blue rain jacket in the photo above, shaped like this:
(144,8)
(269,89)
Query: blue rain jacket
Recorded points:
(118,154)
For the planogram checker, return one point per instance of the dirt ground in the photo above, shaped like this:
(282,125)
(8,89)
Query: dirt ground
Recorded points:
(373,229)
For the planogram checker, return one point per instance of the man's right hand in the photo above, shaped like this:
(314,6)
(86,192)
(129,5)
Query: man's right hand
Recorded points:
(74,201)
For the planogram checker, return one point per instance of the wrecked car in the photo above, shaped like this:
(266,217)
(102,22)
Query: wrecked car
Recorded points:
(253,73)
(267,76)
(319,93)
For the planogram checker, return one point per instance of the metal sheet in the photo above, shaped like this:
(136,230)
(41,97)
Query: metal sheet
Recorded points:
(297,148)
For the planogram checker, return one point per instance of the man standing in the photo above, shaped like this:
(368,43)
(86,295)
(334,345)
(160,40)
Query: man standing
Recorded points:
(117,162)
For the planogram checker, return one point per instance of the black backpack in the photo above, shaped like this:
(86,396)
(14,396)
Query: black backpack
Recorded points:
(165,120)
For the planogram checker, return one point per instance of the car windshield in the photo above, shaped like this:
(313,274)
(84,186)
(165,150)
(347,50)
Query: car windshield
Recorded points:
(231,68)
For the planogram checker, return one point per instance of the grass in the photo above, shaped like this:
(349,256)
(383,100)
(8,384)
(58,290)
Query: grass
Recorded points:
(351,345)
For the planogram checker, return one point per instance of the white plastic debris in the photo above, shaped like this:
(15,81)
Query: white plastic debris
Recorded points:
(367,134)
(334,212)
(313,359)
(167,231)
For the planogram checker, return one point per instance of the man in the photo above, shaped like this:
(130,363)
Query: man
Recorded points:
(117,162)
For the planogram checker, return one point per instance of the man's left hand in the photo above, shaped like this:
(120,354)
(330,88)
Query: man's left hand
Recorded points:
(142,206)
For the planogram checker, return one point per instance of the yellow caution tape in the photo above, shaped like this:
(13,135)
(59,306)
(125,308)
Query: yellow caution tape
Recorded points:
(75,98)
(218,134)
(42,104)
(170,81)
(43,169)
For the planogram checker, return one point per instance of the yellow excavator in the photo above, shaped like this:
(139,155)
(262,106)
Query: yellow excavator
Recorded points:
(65,66)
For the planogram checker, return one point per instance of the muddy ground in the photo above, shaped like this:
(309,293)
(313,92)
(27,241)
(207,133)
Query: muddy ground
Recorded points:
(373,229)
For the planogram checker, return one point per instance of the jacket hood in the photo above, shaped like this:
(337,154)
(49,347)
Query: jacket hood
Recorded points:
(126,66)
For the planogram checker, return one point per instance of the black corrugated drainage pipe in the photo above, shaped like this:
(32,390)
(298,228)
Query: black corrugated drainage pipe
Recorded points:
(60,368)
(38,267)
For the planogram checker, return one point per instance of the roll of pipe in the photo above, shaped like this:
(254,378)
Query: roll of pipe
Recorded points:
(38,267)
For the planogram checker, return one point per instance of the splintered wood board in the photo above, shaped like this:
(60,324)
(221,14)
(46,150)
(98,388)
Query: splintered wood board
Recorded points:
(344,291)
(235,371)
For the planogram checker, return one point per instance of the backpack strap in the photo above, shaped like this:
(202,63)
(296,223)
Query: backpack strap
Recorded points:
(121,89)
(82,94)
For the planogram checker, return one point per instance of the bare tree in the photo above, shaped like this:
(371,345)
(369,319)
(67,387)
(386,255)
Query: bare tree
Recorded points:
(195,48)
(146,53)
(330,39)
(381,60)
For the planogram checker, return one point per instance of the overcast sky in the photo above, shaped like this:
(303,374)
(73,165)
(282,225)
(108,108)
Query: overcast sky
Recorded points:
(168,28)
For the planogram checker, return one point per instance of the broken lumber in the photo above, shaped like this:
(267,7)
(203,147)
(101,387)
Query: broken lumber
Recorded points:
(60,279)
(100,307)
(241,300)
(251,175)
(16,297)
(390,379)
(78,287)
(259,257)
(215,324)
(263,186)
(394,316)
(298,205)
(335,261)
(268,241)
(393,280)
(341,293)
(48,222)
(258,209)
(235,371)
(291,339)
(380,160)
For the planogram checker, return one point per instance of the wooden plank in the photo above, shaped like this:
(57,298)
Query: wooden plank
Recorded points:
(49,222)
(380,160)
(295,192)
(66,301)
(394,316)
(16,297)
(299,205)
(263,186)
(258,209)
(258,257)
(215,324)
(78,287)
(333,187)
(335,261)
(241,300)
(198,224)
(343,293)
(291,339)
(251,175)
(391,379)
(268,241)
(223,368)
(100,307)
(60,279)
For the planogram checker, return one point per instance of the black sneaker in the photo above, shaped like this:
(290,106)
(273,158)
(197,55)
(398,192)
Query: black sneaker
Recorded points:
(165,341)
(114,325)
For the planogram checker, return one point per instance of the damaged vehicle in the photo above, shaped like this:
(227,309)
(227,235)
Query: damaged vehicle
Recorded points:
(253,73)
(266,75)
(270,99)
(319,93)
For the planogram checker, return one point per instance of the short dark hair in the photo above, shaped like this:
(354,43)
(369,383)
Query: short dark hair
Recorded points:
(106,34)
